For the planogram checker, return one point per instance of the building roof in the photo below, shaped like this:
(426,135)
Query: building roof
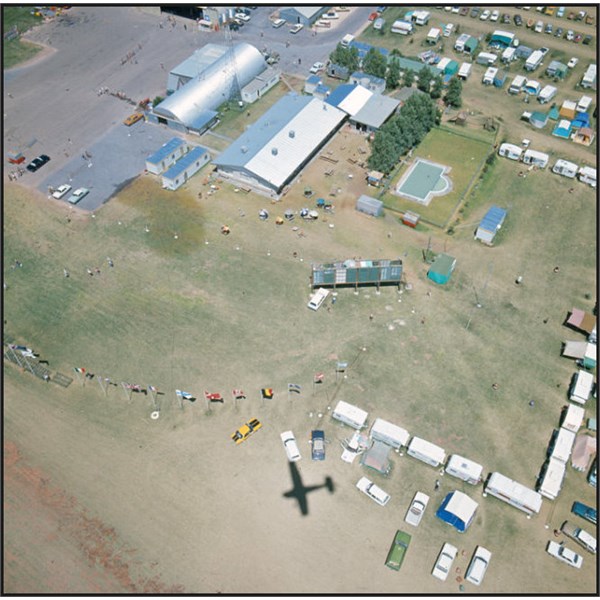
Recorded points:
(349,97)
(192,66)
(443,264)
(376,111)
(363,49)
(185,161)
(493,219)
(282,139)
(371,79)
(166,149)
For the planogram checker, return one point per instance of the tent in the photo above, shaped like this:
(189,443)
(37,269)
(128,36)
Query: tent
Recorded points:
(553,114)
(582,119)
(583,450)
(376,458)
(579,319)
(458,510)
(563,129)
(584,136)
(584,351)
(567,110)
(441,269)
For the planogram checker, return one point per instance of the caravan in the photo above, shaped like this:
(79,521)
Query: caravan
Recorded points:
(584,104)
(588,175)
(426,451)
(565,168)
(350,415)
(581,387)
(513,493)
(573,417)
(551,478)
(548,92)
(508,55)
(486,58)
(534,60)
(389,434)
(317,299)
(517,84)
(533,157)
(489,75)
(462,39)
(464,469)
(561,444)
(402,27)
(510,151)
(464,71)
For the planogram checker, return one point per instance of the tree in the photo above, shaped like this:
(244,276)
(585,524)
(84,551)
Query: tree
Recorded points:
(374,63)
(453,95)
(393,76)
(437,87)
(409,78)
(345,57)
(424,80)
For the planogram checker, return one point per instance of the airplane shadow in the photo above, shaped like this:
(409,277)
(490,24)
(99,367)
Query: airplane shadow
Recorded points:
(300,491)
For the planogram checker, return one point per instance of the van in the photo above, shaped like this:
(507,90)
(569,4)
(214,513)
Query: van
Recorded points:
(464,469)
(478,565)
(389,434)
(350,415)
(378,24)
(581,387)
(347,40)
(373,491)
(317,299)
(426,451)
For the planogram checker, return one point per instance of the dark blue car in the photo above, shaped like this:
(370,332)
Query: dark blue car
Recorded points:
(318,445)
(585,512)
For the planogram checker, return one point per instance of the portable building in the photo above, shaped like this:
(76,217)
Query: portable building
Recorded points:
(421,17)
(410,218)
(488,76)
(486,58)
(573,416)
(581,386)
(465,469)
(534,60)
(464,71)
(426,451)
(490,225)
(402,27)
(548,92)
(185,167)
(369,206)
(350,415)
(517,84)
(551,478)
(561,444)
(567,110)
(458,510)
(565,168)
(499,78)
(589,77)
(508,55)
(459,45)
(532,87)
(433,37)
(260,85)
(166,156)
(389,434)
(533,157)
(442,268)
(584,104)
(377,458)
(353,272)
(306,15)
(583,450)
(513,493)
(510,151)
(588,175)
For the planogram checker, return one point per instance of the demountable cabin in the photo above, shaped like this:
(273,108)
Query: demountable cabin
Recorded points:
(458,510)
(490,225)
(441,269)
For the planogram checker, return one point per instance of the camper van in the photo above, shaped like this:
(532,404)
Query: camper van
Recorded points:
(513,493)
(534,60)
(421,17)
(533,157)
(517,85)
(565,168)
(462,39)
(464,469)
(350,415)
(581,387)
(448,29)
(510,151)
(488,76)
(426,451)
(589,77)
(548,92)
(584,104)
(317,299)
(573,417)
(551,478)
(464,71)
(486,58)
(561,444)
(508,55)
(402,27)
(389,434)
(588,175)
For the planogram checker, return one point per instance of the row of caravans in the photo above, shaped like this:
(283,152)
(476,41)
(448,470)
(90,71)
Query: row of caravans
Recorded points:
(498,485)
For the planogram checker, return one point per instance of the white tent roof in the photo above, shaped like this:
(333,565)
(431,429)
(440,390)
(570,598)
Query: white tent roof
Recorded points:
(462,506)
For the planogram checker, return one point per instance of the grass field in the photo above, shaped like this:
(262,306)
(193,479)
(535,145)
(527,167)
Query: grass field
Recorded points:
(463,153)
(16,51)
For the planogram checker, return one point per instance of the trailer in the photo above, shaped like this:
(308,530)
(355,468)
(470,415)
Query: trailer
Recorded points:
(573,416)
(534,60)
(426,451)
(486,58)
(513,493)
(402,27)
(517,84)
(561,444)
(350,415)
(584,104)
(581,387)
(588,175)
(510,151)
(565,168)
(508,55)
(551,478)
(489,75)
(465,469)
(389,434)
(533,157)
(465,71)
(548,92)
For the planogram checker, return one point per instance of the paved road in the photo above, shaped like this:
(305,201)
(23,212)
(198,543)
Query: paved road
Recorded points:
(52,106)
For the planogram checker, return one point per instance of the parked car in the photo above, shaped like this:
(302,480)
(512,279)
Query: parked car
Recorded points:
(587,40)
(585,512)
(505,18)
(373,491)
(539,27)
(296,28)
(474,12)
(61,191)
(333,15)
(245,431)
(548,28)
(593,474)
(277,23)
(444,561)
(573,62)
(78,195)
(580,15)
(560,12)
(290,445)
(478,565)
(317,67)
(571,16)
(417,509)
(565,554)
(242,16)
(455,10)
(318,445)
(582,537)
(495,15)
(589,20)
(485,15)
(578,37)
(559,32)
(134,118)
(518,20)
(38,163)
(398,550)
(464,11)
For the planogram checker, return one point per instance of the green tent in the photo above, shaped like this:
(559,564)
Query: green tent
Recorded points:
(442,268)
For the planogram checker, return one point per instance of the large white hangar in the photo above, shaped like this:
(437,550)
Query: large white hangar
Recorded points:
(271,152)
(217,76)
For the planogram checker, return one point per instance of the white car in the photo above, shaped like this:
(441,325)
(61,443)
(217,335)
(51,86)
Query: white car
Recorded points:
(77,195)
(290,445)
(417,509)
(572,63)
(495,15)
(478,565)
(330,15)
(296,28)
(570,35)
(373,491)
(242,17)
(61,191)
(485,15)
(317,67)
(565,554)
(443,564)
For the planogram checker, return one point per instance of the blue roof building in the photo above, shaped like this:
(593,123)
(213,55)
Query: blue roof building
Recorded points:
(185,168)
(490,224)
(166,155)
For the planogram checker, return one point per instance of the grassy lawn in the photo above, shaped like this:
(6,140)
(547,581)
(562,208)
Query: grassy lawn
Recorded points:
(15,51)
(465,155)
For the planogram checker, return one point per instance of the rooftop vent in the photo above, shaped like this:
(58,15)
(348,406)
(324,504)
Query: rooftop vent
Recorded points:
(292,133)
(244,149)
(274,151)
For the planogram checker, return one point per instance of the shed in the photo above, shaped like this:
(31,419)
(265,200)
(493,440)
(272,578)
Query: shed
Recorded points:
(410,218)
(562,129)
(306,15)
(375,178)
(490,225)
(458,510)
(581,320)
(166,155)
(185,168)
(441,269)
(312,81)
(377,458)
(370,206)
(583,450)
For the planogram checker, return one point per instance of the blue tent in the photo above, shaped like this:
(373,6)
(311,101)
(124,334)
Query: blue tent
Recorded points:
(563,129)
(458,510)
(582,119)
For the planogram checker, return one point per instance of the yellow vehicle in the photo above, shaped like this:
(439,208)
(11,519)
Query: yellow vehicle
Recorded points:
(550,10)
(134,118)
(244,432)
